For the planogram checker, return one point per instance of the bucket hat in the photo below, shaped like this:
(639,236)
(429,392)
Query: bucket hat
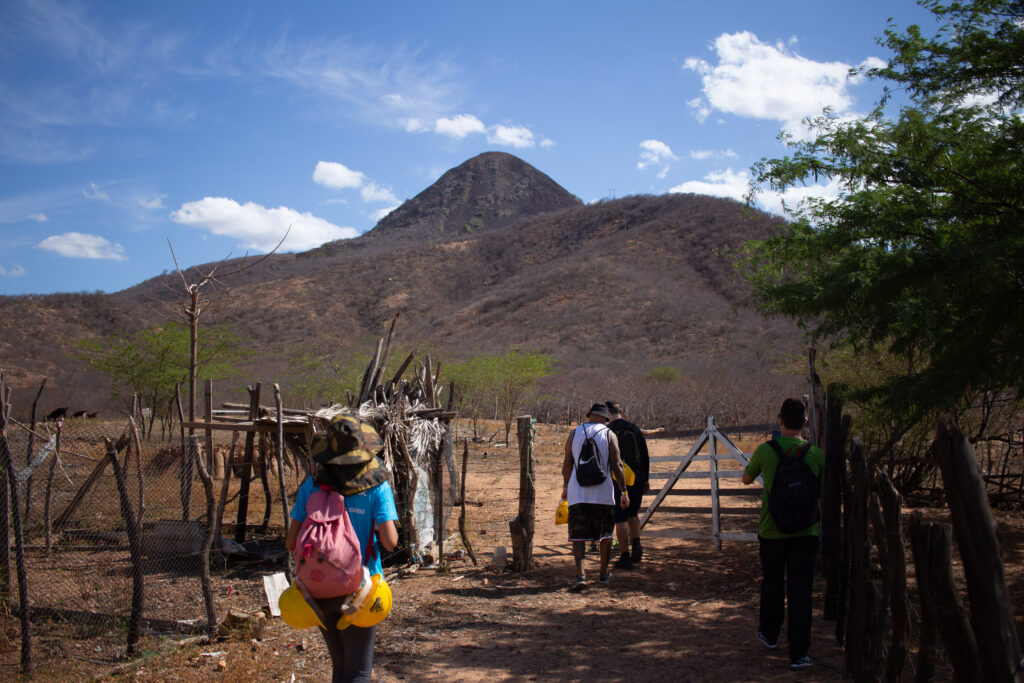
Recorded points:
(347,441)
(599,409)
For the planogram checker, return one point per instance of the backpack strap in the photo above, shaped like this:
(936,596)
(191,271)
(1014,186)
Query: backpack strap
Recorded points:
(801,452)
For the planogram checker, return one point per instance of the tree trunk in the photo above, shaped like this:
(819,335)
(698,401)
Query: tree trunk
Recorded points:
(204,558)
(134,529)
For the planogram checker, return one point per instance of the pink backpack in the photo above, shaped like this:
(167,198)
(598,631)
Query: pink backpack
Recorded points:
(328,562)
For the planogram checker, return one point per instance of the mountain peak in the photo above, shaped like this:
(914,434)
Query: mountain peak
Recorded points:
(486,192)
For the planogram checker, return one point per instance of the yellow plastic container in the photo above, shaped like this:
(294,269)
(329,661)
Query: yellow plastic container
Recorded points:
(562,513)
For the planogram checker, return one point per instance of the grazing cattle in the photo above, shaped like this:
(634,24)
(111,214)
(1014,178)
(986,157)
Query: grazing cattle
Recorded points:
(78,413)
(57,414)
(92,415)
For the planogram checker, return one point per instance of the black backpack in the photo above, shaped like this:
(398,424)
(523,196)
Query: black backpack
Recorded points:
(589,469)
(629,447)
(793,500)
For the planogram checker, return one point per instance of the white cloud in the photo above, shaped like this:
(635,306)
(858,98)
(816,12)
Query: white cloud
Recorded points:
(154,202)
(414,125)
(727,183)
(701,154)
(795,195)
(759,80)
(519,137)
(336,176)
(735,185)
(546,142)
(459,126)
(13,271)
(257,227)
(380,213)
(340,177)
(78,245)
(372,192)
(656,153)
(39,217)
(95,192)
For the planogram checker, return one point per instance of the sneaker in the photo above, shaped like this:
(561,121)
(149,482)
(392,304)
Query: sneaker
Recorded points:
(801,663)
(605,578)
(638,551)
(770,644)
(579,584)
(623,562)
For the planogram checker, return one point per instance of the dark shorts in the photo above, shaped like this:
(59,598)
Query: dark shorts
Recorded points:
(636,494)
(590,522)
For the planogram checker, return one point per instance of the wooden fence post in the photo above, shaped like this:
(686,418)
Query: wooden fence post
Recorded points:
(11,485)
(832,506)
(932,547)
(462,501)
(862,591)
(521,526)
(999,651)
(246,475)
(892,507)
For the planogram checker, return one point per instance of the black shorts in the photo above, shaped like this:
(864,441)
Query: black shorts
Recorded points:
(590,522)
(636,494)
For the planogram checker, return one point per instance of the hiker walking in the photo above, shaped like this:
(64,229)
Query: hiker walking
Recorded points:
(346,462)
(591,461)
(633,451)
(791,470)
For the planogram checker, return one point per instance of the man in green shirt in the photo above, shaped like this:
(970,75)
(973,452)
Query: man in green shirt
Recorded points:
(787,559)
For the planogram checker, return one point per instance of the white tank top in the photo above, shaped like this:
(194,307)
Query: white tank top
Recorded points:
(604,493)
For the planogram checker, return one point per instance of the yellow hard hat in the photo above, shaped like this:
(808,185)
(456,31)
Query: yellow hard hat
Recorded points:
(562,513)
(369,605)
(295,611)
(630,476)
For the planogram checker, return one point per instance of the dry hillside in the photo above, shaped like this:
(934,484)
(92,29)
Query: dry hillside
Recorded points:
(495,255)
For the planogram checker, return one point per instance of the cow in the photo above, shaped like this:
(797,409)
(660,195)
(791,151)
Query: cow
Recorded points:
(57,414)
(78,413)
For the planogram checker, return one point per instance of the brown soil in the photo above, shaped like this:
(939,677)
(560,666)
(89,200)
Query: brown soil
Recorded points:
(687,613)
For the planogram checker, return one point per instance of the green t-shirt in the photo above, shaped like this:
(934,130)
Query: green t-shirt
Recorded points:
(763,462)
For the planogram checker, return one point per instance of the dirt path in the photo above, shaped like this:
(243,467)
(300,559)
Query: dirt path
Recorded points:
(687,613)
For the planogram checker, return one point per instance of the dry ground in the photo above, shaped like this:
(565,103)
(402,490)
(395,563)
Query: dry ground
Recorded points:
(687,613)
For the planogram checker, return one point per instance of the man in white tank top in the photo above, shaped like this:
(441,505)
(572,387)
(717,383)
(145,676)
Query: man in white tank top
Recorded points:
(592,508)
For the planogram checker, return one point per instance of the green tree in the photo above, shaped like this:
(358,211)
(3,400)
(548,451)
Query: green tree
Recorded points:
(503,381)
(150,362)
(921,256)
(326,378)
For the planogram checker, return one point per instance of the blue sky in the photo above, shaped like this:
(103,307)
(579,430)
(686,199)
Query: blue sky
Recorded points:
(216,125)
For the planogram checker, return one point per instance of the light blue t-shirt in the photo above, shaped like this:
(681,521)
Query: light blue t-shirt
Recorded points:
(375,506)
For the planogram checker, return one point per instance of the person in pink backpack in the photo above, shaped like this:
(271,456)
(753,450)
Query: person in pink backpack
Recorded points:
(346,461)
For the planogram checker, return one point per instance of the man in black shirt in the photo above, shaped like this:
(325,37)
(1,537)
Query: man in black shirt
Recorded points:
(633,450)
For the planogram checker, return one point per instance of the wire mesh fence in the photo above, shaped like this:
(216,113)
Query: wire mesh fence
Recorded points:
(77,544)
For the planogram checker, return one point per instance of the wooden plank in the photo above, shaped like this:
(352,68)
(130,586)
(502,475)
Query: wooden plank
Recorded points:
(677,533)
(672,480)
(290,427)
(705,510)
(739,535)
(716,520)
(722,474)
(738,429)
(755,492)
